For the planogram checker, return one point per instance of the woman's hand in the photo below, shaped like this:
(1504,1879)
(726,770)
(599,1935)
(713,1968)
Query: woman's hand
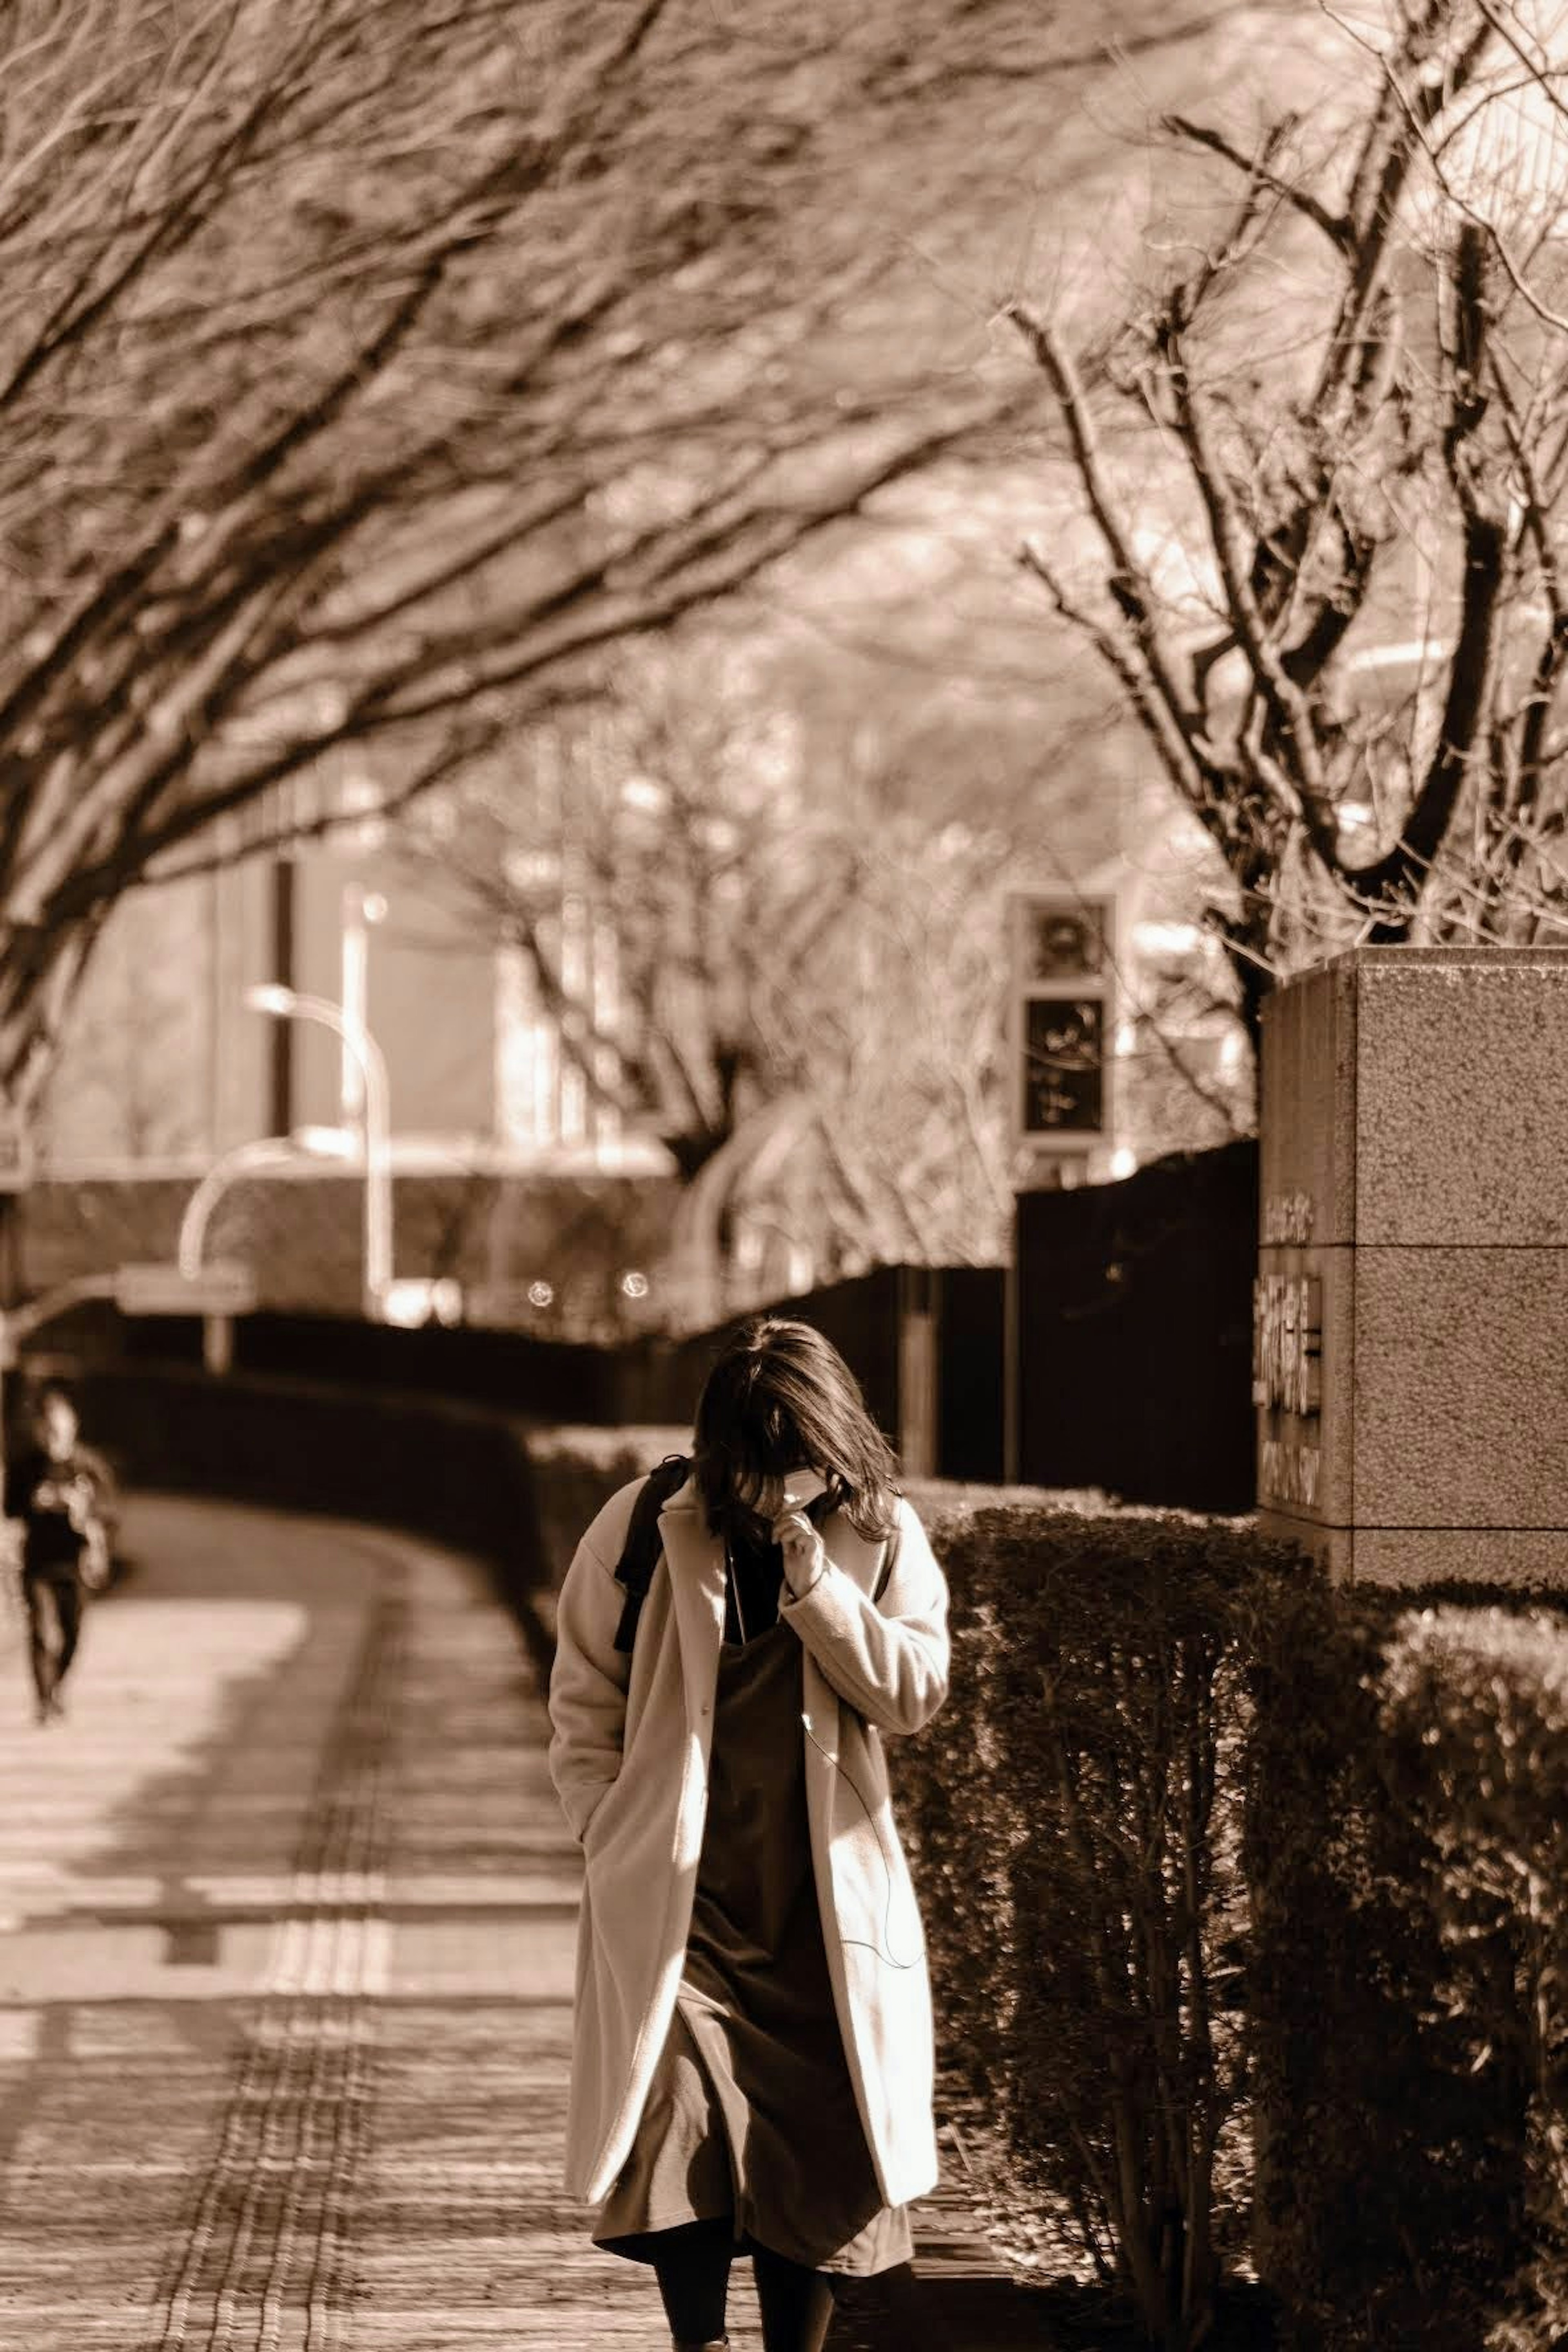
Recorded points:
(803,1557)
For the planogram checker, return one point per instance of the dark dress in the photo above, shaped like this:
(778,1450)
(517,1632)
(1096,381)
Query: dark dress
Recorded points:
(751,2113)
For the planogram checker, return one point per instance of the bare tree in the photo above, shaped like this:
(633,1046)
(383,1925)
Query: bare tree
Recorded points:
(787,974)
(891,1034)
(370,367)
(1320,482)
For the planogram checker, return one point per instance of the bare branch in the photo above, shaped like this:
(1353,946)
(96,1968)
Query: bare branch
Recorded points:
(1373,694)
(361,365)
(1130,582)
(1336,227)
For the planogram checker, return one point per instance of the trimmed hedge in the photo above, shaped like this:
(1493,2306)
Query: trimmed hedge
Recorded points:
(1409,1853)
(1077,1812)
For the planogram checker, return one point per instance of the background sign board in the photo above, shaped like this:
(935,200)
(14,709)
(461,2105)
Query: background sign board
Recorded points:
(1064,939)
(1063,1002)
(1064,1066)
(225,1287)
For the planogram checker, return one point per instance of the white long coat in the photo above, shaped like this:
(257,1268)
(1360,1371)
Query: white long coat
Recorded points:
(629,1758)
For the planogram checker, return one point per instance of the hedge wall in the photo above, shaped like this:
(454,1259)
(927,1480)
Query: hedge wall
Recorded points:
(1078,1814)
(1408,1852)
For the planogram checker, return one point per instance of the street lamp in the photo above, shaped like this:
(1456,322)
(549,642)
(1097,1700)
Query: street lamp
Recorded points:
(262,1156)
(287,1004)
(362,908)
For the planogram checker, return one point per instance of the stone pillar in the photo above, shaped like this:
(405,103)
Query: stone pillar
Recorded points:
(1410,1318)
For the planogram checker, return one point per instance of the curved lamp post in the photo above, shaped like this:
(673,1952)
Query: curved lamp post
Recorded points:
(257,1158)
(287,1004)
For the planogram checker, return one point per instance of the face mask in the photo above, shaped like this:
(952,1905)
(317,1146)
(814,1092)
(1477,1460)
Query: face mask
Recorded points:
(803,1486)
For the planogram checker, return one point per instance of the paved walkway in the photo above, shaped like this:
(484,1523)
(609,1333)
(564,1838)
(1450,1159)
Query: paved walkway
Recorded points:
(286,1928)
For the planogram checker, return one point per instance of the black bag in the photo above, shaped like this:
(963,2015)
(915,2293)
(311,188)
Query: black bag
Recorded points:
(639,1554)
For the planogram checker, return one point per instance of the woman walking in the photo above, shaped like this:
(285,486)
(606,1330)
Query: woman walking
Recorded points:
(751,2069)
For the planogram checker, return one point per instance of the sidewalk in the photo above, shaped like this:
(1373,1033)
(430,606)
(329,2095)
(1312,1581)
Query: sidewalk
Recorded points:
(286,1936)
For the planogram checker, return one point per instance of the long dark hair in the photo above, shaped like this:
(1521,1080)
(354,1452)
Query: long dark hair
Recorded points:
(779,1397)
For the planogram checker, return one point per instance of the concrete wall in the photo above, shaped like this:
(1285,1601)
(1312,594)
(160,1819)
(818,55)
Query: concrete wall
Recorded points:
(1413,1368)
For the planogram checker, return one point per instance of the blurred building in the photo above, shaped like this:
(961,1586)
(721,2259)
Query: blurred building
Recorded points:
(512,1179)
(166,1065)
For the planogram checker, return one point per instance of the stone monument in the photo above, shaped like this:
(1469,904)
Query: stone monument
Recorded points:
(1410,1359)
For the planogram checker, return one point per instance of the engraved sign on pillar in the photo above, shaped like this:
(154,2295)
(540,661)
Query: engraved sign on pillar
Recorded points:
(1286,1386)
(1304,1355)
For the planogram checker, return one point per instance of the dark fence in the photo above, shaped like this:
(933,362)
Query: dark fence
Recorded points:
(550,1380)
(562,1380)
(948,1425)
(1135,1316)
(971,1346)
(448,1470)
(1135,1353)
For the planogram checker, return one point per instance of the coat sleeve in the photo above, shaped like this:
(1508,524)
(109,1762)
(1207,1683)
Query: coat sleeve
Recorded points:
(587,1687)
(888,1656)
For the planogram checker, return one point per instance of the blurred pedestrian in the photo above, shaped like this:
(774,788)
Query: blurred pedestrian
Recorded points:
(752,2061)
(54,1492)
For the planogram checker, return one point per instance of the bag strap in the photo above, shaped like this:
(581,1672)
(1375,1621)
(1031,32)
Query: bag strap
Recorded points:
(639,1554)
